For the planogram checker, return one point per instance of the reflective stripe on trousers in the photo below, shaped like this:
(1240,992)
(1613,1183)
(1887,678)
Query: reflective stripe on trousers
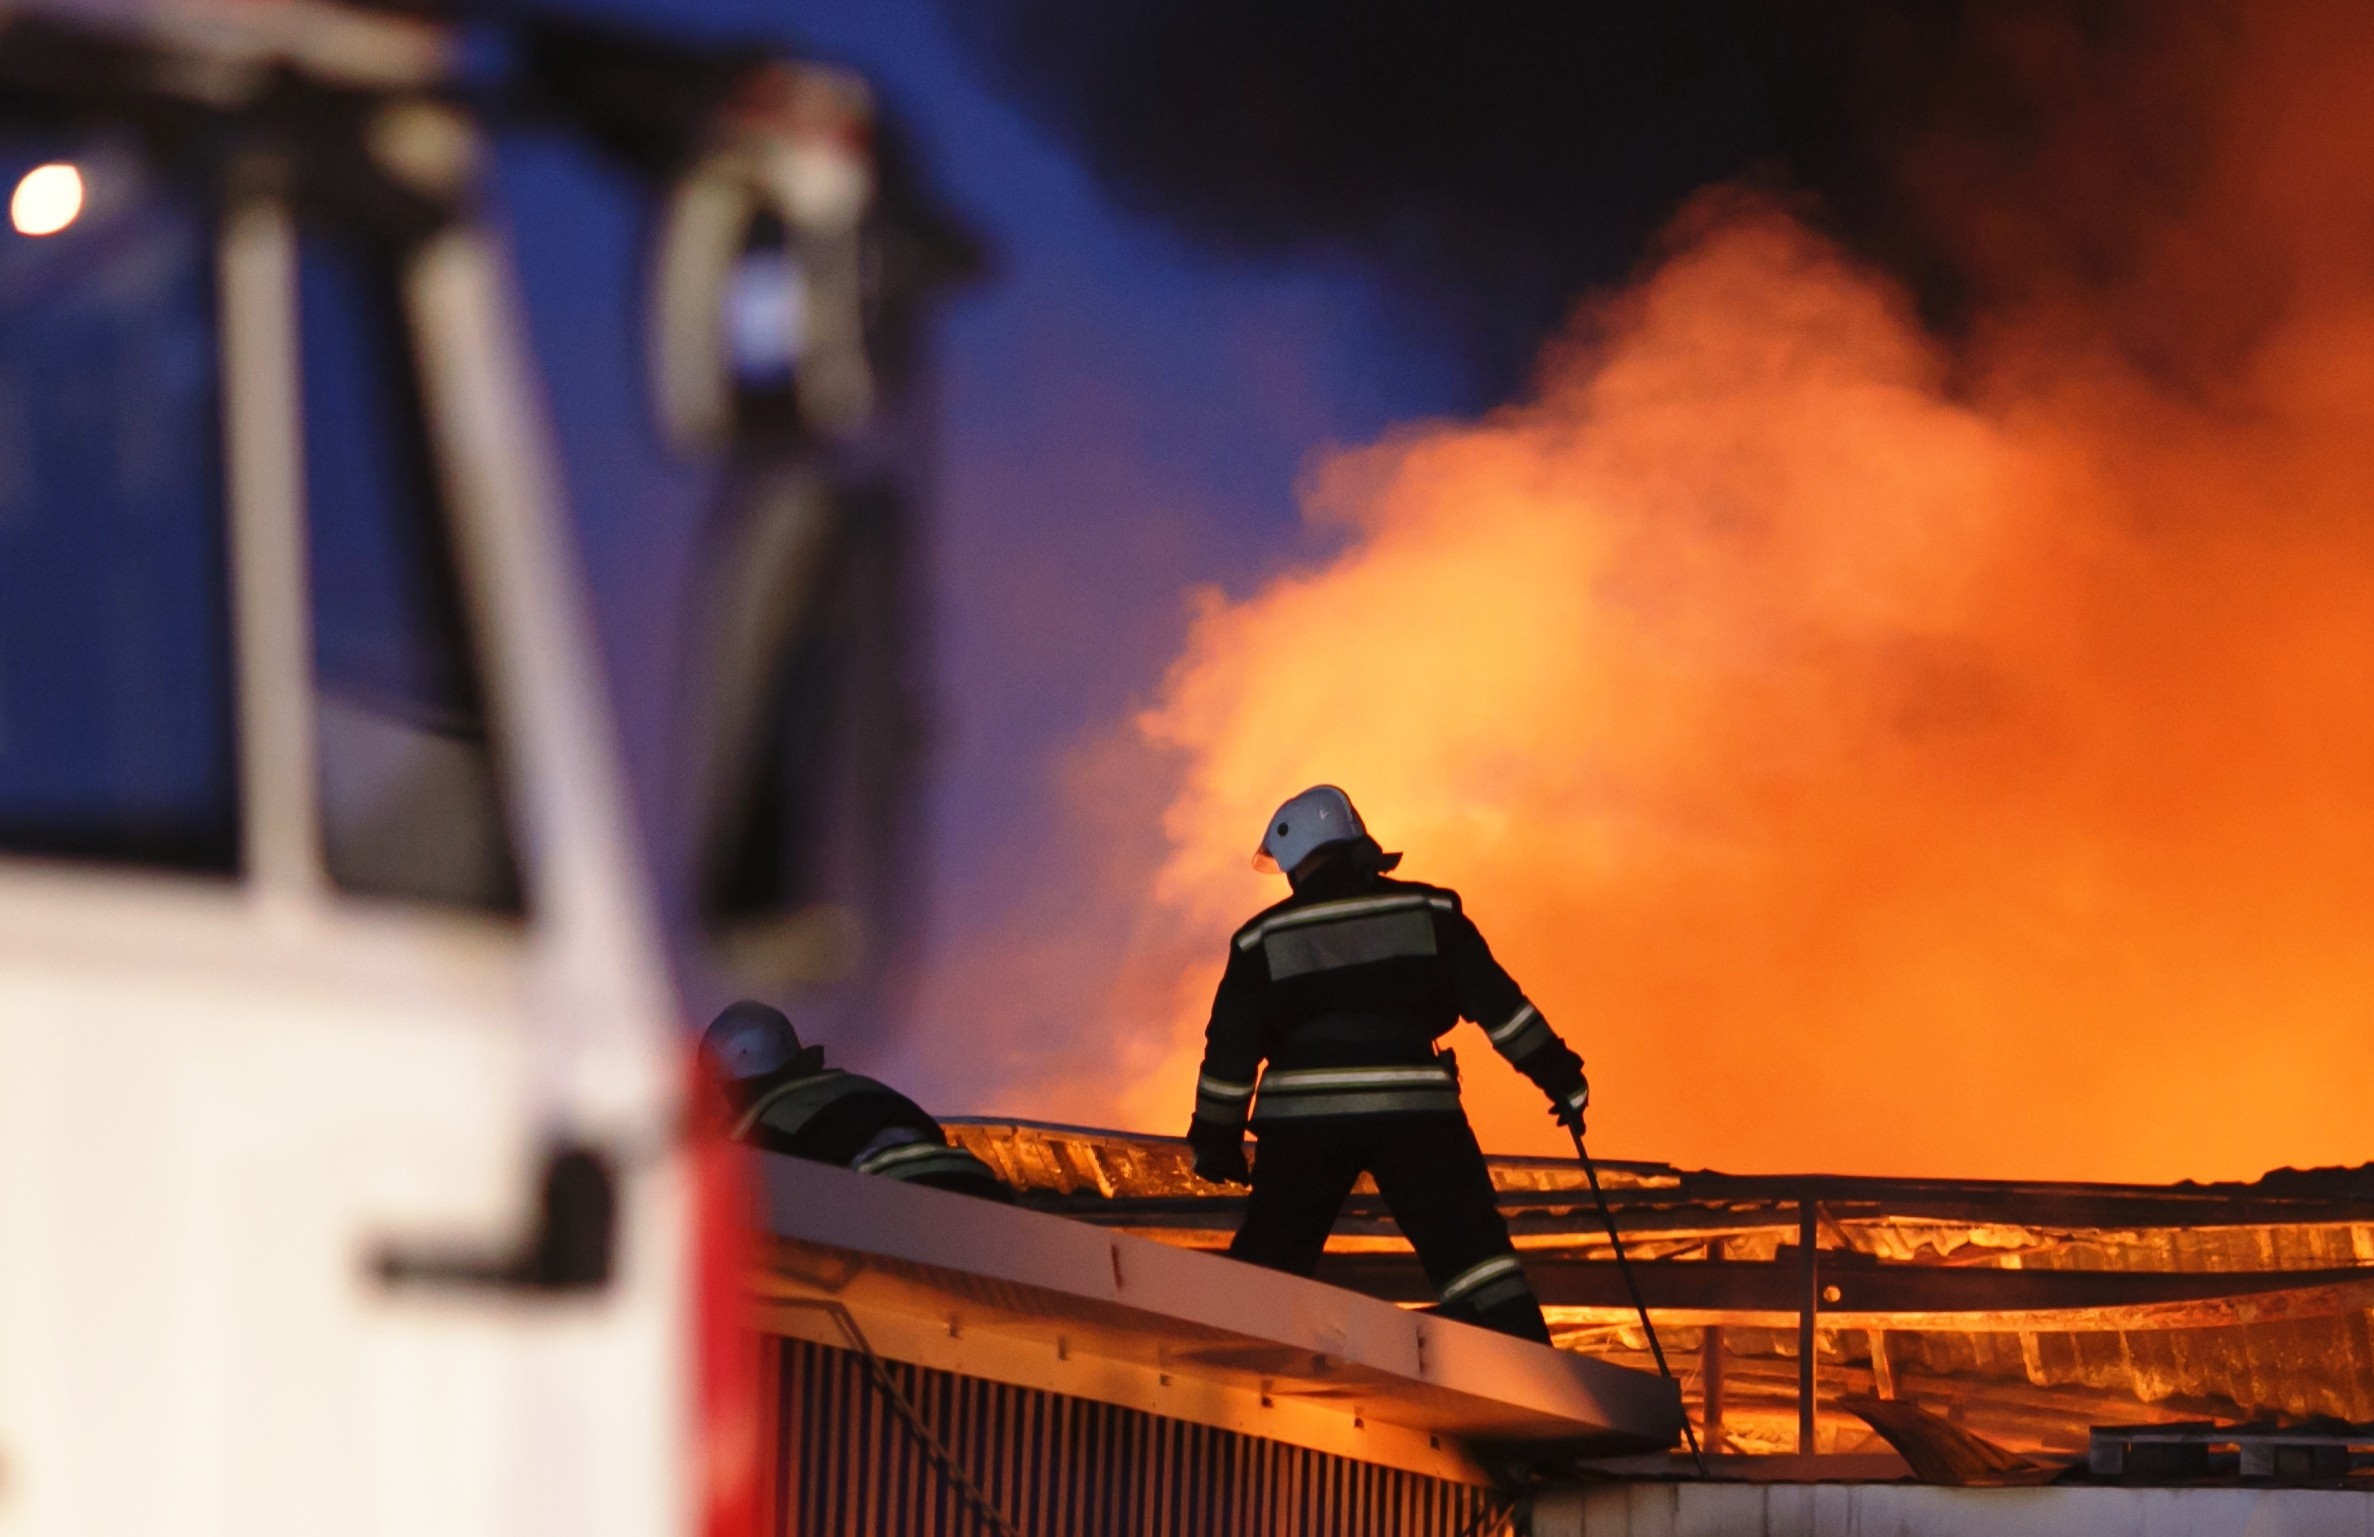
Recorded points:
(922,1160)
(901,1152)
(1486,1285)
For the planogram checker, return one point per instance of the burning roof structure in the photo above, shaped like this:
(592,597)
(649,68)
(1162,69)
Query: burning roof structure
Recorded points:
(2025,1312)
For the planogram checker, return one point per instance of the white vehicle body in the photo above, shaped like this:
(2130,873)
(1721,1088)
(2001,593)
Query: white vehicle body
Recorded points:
(216,1098)
(272,1148)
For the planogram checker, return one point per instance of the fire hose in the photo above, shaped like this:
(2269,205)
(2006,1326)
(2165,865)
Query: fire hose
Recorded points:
(910,1418)
(1624,1266)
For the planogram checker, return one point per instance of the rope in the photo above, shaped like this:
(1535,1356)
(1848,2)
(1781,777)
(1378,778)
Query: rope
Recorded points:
(912,1418)
(1497,1507)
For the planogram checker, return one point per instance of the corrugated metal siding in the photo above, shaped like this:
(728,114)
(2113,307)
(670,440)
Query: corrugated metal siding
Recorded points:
(1063,1467)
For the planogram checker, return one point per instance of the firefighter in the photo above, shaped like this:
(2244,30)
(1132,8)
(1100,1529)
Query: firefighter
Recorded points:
(783,1098)
(1342,990)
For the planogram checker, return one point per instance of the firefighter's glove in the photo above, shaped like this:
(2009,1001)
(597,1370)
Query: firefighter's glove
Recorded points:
(1219,1153)
(1570,1096)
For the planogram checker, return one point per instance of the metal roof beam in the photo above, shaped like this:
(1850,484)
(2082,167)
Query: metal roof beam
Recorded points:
(970,1286)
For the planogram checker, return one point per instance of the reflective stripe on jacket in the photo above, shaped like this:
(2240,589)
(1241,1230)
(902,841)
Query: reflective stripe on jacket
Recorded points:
(1332,1002)
(1297,1093)
(787,1108)
(855,1122)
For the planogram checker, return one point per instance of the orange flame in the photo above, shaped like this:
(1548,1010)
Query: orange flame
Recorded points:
(1870,756)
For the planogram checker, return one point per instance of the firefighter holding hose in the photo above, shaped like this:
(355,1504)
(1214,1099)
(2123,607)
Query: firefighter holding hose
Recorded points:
(1342,990)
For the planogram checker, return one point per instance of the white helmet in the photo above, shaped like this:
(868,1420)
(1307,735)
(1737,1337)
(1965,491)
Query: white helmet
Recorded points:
(1317,817)
(750,1040)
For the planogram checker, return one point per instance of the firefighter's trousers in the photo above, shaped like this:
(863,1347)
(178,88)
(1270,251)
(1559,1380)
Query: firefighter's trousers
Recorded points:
(1432,1176)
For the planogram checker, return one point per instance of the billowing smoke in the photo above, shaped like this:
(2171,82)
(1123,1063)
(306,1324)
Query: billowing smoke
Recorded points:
(1873,752)
(1491,162)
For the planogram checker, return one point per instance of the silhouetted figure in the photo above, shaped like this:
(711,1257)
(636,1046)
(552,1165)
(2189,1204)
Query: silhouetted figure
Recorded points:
(1342,990)
(783,1098)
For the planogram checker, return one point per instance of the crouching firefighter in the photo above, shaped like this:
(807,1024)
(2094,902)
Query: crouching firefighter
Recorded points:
(1342,990)
(783,1098)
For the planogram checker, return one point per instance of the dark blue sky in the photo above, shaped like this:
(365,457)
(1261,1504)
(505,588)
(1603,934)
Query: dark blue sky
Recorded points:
(1124,417)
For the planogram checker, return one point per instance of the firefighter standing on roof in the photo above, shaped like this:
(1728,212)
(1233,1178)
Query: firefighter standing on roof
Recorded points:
(1342,990)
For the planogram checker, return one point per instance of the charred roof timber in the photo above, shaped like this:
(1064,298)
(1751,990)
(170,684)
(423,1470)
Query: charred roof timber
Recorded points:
(2027,1311)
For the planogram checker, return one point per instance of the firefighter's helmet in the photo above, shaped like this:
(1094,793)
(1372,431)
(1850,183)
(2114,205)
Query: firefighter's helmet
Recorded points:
(750,1040)
(1309,822)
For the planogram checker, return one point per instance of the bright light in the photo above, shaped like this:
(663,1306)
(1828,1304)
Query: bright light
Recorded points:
(47,200)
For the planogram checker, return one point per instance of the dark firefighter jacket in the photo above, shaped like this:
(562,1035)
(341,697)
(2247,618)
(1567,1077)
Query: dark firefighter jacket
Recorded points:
(836,1117)
(1343,988)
